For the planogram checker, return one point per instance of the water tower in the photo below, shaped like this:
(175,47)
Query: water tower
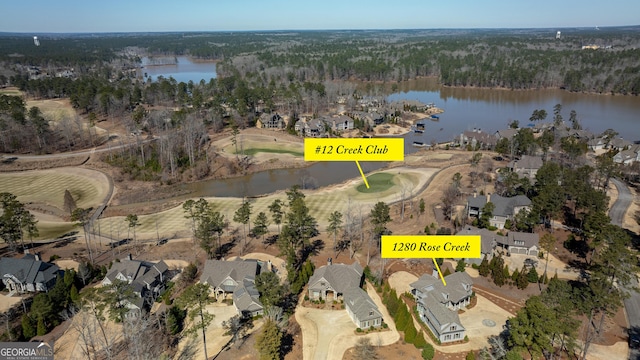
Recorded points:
(36,41)
(558,35)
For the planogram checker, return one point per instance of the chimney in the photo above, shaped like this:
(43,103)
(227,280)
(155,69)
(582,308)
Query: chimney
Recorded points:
(37,256)
(329,261)
(475,194)
(488,197)
(269,265)
(129,257)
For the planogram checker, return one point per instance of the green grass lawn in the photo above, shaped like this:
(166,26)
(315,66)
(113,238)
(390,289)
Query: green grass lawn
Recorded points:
(52,230)
(253,151)
(377,183)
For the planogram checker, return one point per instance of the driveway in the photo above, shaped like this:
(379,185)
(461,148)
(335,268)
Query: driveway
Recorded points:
(327,334)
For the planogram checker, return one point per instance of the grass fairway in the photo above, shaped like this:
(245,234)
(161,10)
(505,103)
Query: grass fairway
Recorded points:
(377,183)
(51,230)
(254,151)
(11,92)
(87,187)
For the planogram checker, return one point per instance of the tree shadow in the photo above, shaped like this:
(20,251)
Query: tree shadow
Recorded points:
(286,344)
(270,240)
(225,248)
(578,247)
(313,248)
(188,351)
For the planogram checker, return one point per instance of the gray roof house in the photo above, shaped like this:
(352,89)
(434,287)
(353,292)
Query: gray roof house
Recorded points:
(438,304)
(246,298)
(505,207)
(270,121)
(229,277)
(506,133)
(341,123)
(526,166)
(146,279)
(521,243)
(488,241)
(361,308)
(334,280)
(28,274)
(626,157)
(477,136)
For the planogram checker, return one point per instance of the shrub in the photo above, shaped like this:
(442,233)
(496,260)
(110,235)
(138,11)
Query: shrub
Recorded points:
(419,341)
(533,275)
(54,257)
(358,330)
(384,325)
(306,298)
(428,352)
(470,356)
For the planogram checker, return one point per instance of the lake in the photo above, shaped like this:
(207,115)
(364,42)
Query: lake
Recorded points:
(491,110)
(181,68)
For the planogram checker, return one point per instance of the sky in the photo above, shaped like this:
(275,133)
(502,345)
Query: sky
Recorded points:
(77,16)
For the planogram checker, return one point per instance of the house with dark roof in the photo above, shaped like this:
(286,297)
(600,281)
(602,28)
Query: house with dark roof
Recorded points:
(488,242)
(526,166)
(438,304)
(270,121)
(331,281)
(361,308)
(341,123)
(146,279)
(506,133)
(476,137)
(340,281)
(520,243)
(235,278)
(505,207)
(28,274)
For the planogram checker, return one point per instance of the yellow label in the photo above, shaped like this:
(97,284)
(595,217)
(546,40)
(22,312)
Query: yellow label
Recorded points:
(342,149)
(430,246)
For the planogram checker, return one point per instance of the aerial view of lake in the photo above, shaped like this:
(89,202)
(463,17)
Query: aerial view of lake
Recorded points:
(491,110)
(181,68)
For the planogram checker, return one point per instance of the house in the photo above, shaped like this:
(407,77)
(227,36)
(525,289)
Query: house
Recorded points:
(361,308)
(146,279)
(526,166)
(237,279)
(506,133)
(438,304)
(475,137)
(310,127)
(488,241)
(28,274)
(629,156)
(520,243)
(270,121)
(246,299)
(341,123)
(454,296)
(331,281)
(505,208)
(596,144)
(619,144)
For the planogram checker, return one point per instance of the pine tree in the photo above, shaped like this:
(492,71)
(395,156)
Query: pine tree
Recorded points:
(420,342)
(69,202)
(410,333)
(460,266)
(269,341)
(484,269)
(532,276)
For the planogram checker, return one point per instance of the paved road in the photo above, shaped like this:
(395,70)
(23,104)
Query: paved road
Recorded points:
(631,304)
(620,206)
(87,152)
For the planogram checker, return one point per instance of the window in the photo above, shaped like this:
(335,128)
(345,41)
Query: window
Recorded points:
(370,312)
(453,328)
(447,337)
(519,242)
(456,336)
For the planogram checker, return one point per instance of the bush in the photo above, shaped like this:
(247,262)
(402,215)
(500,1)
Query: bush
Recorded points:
(54,257)
(470,356)
(358,330)
(419,341)
(533,275)
(384,325)
(428,352)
